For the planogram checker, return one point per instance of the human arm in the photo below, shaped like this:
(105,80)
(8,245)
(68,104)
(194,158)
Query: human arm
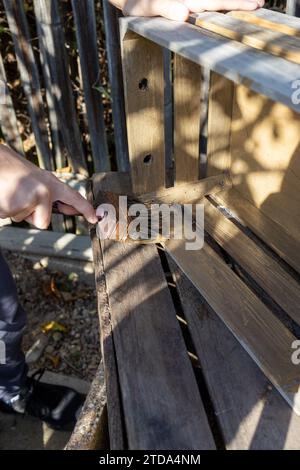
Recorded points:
(28,192)
(180,9)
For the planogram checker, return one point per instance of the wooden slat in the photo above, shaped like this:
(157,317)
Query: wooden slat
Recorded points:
(155,374)
(250,34)
(293,7)
(112,42)
(187,193)
(52,33)
(168,100)
(30,78)
(262,267)
(264,337)
(8,120)
(251,413)
(219,124)
(273,234)
(143,74)
(46,243)
(114,407)
(115,421)
(91,431)
(229,58)
(285,24)
(56,138)
(187,94)
(265,154)
(85,23)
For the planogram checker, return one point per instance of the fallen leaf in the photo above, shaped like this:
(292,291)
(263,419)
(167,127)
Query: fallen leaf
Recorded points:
(53,326)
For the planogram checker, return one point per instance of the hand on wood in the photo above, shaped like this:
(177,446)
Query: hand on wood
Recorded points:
(28,192)
(179,10)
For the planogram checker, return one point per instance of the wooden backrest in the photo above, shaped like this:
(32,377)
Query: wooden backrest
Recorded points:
(253,122)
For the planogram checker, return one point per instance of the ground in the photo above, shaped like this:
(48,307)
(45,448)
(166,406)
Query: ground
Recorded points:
(65,308)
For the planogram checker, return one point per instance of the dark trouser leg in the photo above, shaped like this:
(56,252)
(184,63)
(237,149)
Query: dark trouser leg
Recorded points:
(12,324)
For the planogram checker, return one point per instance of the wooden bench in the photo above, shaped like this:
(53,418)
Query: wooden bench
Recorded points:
(197,345)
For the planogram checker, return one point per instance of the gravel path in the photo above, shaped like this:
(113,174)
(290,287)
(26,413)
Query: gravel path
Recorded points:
(49,296)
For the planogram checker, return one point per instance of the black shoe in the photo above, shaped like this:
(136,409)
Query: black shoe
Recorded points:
(56,405)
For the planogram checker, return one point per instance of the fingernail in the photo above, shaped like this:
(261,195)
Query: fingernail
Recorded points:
(100,211)
(93,220)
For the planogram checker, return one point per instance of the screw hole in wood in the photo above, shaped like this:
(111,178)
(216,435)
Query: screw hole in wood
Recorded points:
(143,84)
(147,159)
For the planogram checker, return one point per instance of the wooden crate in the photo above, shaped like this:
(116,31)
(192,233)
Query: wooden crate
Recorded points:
(197,344)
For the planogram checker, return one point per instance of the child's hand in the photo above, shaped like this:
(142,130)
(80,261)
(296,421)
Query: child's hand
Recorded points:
(27,192)
(180,9)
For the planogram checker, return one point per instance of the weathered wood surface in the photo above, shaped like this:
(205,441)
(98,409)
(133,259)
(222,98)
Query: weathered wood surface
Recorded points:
(264,337)
(45,48)
(46,243)
(229,58)
(30,79)
(8,120)
(251,413)
(114,406)
(188,192)
(85,23)
(91,431)
(282,242)
(265,157)
(256,36)
(112,42)
(187,96)
(52,35)
(156,377)
(219,122)
(143,73)
(168,102)
(285,24)
(293,7)
(261,266)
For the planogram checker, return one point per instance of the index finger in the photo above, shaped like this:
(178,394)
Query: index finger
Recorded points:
(218,5)
(69,196)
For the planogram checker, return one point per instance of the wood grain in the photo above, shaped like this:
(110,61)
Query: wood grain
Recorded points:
(270,19)
(262,335)
(8,120)
(91,429)
(143,76)
(156,376)
(85,26)
(189,192)
(256,36)
(112,43)
(187,89)
(272,233)
(265,153)
(220,103)
(228,58)
(52,34)
(262,267)
(251,413)
(114,406)
(30,79)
